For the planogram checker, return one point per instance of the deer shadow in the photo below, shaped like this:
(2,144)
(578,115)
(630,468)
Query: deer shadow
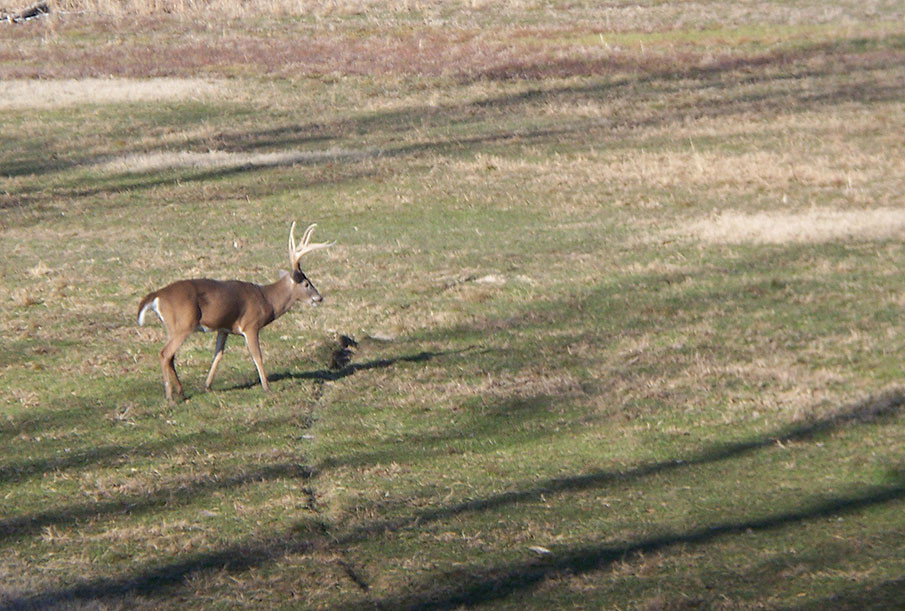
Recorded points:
(331,374)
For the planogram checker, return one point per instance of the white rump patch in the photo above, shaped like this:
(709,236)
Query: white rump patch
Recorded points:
(151,305)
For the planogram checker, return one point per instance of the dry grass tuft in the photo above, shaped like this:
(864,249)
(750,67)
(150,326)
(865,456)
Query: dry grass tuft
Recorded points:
(22,94)
(809,227)
(248,8)
(40,270)
(154,162)
(25,297)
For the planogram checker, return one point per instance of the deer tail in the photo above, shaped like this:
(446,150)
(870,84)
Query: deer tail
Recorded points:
(148,302)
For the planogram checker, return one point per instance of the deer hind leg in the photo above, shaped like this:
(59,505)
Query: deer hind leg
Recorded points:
(218,354)
(167,364)
(251,340)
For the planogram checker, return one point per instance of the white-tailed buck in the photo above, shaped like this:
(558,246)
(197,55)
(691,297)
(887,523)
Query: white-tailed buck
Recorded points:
(228,307)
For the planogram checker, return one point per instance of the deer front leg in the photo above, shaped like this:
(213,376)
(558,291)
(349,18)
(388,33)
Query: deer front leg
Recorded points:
(218,354)
(251,340)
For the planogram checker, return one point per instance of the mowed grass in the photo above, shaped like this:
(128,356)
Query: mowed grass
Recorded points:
(626,291)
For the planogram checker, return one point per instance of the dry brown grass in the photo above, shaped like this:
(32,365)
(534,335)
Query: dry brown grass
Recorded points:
(807,227)
(24,94)
(151,162)
(226,8)
(615,18)
(713,169)
(426,38)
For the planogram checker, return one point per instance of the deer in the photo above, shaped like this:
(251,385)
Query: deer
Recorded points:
(228,307)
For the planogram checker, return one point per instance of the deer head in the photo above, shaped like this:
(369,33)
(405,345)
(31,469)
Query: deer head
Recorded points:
(301,286)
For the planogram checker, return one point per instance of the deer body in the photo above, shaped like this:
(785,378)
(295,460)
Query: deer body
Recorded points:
(230,307)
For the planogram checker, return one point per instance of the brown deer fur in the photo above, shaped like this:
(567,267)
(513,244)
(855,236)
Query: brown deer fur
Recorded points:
(231,307)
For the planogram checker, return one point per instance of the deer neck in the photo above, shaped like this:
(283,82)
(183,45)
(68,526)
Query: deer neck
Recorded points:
(280,295)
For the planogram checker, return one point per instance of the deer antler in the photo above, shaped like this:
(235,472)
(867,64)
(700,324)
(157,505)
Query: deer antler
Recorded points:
(304,246)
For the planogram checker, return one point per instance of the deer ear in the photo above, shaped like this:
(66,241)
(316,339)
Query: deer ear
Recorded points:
(283,273)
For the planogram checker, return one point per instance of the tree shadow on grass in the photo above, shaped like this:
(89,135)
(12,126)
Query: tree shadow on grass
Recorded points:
(644,81)
(102,455)
(176,494)
(887,594)
(490,584)
(486,585)
(889,405)
(769,569)
(15,528)
(37,206)
(158,580)
(65,413)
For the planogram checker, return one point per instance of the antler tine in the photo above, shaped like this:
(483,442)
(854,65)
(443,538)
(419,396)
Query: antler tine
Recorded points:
(292,243)
(304,246)
(307,237)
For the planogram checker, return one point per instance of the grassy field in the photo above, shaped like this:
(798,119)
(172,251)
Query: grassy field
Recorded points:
(625,281)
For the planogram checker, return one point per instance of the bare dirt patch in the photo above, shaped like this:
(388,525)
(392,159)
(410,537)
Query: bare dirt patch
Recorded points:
(21,94)
(812,226)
